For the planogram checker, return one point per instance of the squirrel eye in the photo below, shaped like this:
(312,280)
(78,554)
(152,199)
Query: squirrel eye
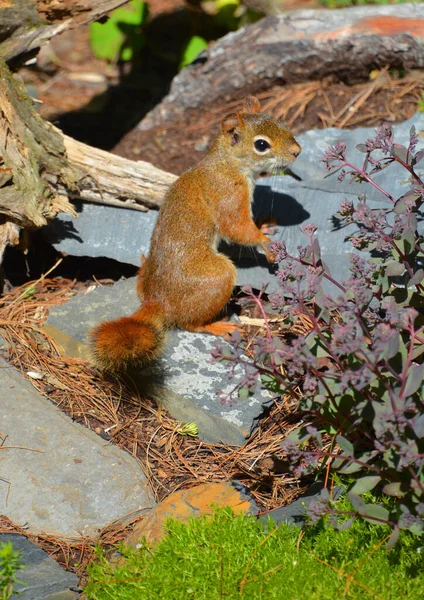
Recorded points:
(262,145)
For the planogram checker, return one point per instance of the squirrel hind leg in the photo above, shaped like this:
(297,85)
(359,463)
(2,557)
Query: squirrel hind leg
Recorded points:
(140,288)
(213,290)
(219,328)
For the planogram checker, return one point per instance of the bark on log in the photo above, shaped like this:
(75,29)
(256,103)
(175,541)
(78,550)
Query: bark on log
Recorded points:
(106,178)
(40,167)
(25,25)
(33,159)
(295,47)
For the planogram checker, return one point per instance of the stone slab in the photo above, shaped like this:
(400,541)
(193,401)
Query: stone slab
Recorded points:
(124,234)
(118,233)
(295,512)
(59,477)
(42,578)
(184,505)
(185,380)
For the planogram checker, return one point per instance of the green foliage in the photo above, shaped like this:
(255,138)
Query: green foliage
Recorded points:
(228,14)
(9,566)
(237,557)
(194,46)
(120,37)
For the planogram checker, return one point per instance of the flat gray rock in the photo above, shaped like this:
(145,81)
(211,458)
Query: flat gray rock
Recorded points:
(124,234)
(59,477)
(295,513)
(42,578)
(185,380)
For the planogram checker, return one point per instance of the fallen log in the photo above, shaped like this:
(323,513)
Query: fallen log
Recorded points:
(105,178)
(290,48)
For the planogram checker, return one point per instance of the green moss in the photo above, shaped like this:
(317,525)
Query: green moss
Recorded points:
(237,557)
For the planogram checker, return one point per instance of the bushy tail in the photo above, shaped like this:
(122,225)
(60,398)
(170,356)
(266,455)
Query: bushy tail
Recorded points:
(134,340)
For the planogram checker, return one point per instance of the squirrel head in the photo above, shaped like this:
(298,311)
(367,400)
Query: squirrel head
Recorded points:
(259,142)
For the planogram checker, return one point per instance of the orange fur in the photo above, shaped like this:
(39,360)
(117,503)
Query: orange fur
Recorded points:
(185,282)
(137,339)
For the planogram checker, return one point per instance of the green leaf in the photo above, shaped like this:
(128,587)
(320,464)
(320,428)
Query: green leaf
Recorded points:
(393,489)
(320,399)
(417,277)
(119,37)
(226,15)
(391,348)
(400,206)
(195,45)
(394,268)
(365,484)
(317,249)
(373,512)
(416,528)
(414,380)
(416,352)
(418,157)
(407,242)
(271,383)
(243,393)
(346,524)
(345,445)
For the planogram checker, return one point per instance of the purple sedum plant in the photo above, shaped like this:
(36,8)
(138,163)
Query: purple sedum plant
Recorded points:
(369,396)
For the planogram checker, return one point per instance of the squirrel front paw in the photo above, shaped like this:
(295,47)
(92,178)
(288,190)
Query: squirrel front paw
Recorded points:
(270,255)
(267,226)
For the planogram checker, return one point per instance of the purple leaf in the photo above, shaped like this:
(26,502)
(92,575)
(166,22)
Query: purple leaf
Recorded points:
(346,524)
(365,484)
(414,380)
(362,148)
(418,157)
(393,538)
(401,153)
(419,427)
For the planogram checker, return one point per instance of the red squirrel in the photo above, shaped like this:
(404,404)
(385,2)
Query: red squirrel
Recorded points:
(185,282)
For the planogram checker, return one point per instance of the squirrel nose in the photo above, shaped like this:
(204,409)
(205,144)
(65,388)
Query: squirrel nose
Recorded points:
(295,149)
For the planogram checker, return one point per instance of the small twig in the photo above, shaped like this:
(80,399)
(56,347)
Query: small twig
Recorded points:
(20,448)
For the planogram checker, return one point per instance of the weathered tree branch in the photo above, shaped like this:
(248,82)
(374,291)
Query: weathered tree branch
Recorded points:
(41,167)
(25,25)
(106,178)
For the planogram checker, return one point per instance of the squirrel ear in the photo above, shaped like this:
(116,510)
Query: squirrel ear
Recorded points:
(229,126)
(252,104)
(230,122)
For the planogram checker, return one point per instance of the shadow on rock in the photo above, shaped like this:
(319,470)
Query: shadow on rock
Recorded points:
(281,209)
